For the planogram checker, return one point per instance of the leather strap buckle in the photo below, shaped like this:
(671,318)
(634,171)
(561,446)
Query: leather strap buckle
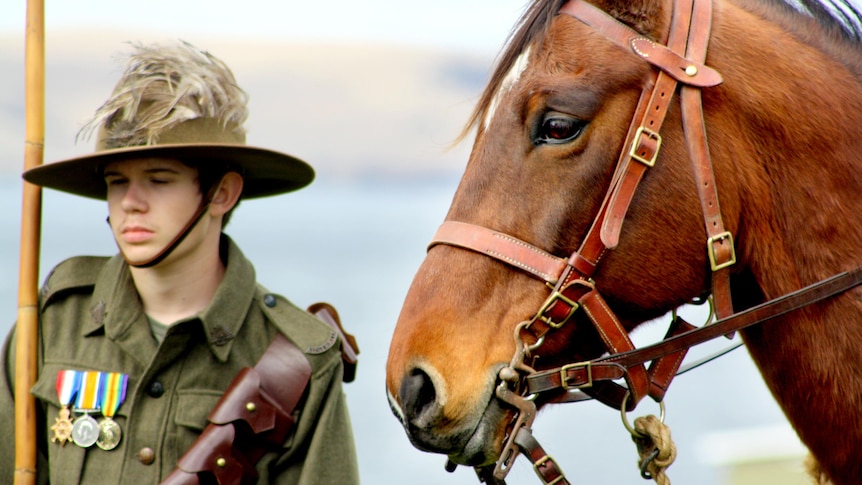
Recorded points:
(542,461)
(564,380)
(554,298)
(710,247)
(650,135)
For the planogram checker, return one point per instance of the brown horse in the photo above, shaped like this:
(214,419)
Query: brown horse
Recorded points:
(558,165)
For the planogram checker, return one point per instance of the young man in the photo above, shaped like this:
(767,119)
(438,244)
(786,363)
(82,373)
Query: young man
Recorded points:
(137,350)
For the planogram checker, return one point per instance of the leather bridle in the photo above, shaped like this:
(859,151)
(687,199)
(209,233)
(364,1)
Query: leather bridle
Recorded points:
(680,63)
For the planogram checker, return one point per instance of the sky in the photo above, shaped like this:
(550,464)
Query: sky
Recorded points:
(459,24)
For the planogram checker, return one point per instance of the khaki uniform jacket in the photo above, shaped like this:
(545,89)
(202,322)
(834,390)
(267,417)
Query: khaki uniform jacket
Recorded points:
(92,319)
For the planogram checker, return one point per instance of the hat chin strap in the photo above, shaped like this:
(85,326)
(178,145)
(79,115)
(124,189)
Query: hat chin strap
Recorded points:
(193,221)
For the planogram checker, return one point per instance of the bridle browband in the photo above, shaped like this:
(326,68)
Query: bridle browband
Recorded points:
(680,62)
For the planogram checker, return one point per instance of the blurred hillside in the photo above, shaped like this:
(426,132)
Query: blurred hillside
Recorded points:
(349,110)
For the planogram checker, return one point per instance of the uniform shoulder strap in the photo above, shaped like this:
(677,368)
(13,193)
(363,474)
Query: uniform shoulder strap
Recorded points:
(349,349)
(74,274)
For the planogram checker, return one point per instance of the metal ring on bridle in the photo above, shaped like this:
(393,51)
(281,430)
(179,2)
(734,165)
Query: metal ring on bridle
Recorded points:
(710,316)
(626,423)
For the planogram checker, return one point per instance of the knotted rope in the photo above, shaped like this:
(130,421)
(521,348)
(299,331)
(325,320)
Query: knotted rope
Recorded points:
(655,447)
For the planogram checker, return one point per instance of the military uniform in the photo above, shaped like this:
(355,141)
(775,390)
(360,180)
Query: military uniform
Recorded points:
(92,319)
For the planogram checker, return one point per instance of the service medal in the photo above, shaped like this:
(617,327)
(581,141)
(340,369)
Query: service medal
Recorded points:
(67,385)
(62,427)
(113,394)
(109,434)
(85,431)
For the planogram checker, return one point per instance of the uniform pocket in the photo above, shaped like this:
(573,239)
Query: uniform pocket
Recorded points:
(190,419)
(193,406)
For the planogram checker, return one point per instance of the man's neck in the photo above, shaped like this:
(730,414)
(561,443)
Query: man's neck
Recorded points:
(172,291)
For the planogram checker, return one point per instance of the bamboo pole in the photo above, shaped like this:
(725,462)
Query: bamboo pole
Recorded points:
(27,327)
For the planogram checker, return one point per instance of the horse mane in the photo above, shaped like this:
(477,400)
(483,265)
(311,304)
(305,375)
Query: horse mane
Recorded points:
(839,35)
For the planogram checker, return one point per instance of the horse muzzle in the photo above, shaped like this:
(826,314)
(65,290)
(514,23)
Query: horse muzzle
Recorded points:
(469,436)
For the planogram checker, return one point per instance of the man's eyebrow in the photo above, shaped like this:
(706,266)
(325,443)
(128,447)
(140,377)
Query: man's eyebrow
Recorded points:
(155,170)
(149,171)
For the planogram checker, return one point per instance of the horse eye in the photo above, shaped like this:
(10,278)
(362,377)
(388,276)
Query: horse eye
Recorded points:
(557,128)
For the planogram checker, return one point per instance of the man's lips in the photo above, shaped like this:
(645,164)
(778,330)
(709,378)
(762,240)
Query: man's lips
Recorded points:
(136,234)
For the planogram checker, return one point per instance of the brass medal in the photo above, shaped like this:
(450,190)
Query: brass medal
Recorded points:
(62,427)
(109,434)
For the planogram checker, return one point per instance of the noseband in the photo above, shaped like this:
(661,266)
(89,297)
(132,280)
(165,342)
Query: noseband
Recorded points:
(680,62)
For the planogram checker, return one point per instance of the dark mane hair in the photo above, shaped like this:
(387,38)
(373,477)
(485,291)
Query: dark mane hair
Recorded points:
(843,15)
(840,35)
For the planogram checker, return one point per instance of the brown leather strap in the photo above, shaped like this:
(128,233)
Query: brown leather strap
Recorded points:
(349,347)
(501,246)
(616,341)
(813,293)
(544,466)
(204,205)
(719,243)
(663,369)
(683,69)
(610,367)
(264,398)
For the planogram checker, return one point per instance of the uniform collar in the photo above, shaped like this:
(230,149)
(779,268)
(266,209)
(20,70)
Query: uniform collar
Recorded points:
(117,308)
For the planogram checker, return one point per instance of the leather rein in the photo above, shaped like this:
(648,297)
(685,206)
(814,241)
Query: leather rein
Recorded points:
(679,64)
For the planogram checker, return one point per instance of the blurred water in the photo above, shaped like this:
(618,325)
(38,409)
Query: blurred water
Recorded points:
(357,245)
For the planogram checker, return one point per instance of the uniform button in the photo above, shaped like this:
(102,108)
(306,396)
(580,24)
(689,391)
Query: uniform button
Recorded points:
(147,456)
(156,389)
(269,300)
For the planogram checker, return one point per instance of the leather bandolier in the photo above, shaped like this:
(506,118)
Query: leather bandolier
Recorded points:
(255,414)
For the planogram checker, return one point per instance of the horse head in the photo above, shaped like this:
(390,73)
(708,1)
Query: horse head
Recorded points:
(561,177)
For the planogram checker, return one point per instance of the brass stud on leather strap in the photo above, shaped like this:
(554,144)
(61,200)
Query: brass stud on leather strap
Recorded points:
(691,70)
(221,462)
(250,407)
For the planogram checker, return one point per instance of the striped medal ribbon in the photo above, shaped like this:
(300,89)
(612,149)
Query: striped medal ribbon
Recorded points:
(68,382)
(85,429)
(113,393)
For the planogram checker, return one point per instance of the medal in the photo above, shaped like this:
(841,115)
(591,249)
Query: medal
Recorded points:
(112,395)
(85,429)
(67,386)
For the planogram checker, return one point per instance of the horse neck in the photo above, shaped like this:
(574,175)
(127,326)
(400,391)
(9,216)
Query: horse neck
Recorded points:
(793,152)
(790,174)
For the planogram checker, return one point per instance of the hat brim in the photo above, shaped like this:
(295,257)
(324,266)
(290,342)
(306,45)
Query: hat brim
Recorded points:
(265,172)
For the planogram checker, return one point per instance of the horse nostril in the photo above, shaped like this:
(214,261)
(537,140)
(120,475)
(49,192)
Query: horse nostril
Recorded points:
(417,396)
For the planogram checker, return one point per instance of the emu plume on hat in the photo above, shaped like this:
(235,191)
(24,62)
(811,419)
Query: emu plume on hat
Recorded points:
(175,102)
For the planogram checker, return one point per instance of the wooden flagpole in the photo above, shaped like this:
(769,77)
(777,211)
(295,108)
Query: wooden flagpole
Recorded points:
(27,326)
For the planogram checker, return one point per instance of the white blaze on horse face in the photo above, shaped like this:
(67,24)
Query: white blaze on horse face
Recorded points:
(512,78)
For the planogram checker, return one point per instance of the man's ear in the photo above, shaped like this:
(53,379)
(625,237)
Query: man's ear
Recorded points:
(227,194)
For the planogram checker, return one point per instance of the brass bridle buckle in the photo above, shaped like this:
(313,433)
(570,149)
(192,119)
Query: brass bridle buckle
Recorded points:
(555,297)
(636,144)
(564,379)
(710,248)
